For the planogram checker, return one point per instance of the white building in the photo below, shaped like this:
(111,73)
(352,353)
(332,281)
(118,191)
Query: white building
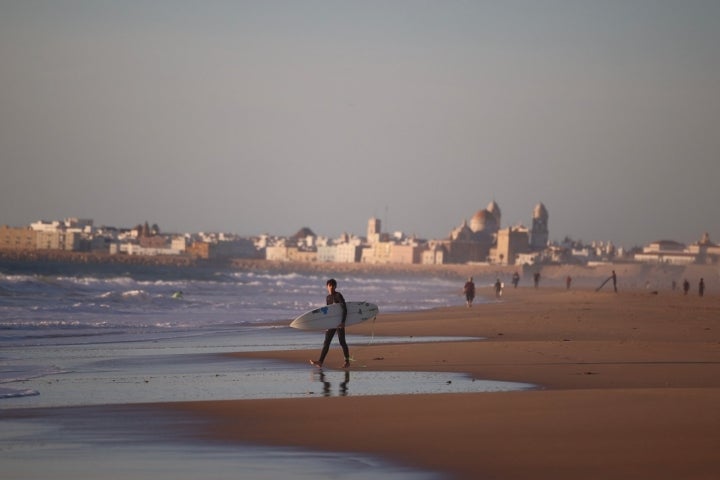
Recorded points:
(666,251)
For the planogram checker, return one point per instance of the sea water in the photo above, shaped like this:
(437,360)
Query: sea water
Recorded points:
(58,304)
(60,320)
(81,335)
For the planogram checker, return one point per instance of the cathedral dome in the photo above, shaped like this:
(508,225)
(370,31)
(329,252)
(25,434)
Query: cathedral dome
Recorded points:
(483,220)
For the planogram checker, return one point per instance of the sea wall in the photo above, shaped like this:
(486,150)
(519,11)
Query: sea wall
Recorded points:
(62,256)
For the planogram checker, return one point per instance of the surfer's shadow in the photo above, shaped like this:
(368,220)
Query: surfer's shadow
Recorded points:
(342,380)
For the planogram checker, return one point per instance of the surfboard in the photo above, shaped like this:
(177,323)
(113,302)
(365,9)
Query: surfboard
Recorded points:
(603,284)
(330,316)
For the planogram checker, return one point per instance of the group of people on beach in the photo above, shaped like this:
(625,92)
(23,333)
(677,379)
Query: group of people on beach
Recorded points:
(469,288)
(686,286)
(334,296)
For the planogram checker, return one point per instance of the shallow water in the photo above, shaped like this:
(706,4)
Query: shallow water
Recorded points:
(119,442)
(195,368)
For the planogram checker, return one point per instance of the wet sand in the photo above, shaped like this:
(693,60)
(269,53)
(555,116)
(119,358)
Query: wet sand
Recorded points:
(628,387)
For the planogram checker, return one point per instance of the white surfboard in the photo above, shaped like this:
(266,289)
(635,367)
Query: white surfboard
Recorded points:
(330,316)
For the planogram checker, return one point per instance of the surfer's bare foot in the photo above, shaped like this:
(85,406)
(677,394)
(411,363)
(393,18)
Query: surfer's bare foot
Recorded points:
(346,364)
(315,364)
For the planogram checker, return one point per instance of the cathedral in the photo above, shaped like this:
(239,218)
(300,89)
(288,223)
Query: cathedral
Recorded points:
(483,239)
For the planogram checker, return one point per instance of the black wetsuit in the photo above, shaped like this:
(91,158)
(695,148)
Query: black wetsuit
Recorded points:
(330,333)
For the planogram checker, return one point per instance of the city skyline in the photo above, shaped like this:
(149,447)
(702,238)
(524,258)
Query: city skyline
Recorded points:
(266,117)
(359,233)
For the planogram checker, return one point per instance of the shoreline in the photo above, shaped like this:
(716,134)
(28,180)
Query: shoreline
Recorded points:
(629,385)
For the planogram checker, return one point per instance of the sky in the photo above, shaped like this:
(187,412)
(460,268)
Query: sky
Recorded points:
(254,117)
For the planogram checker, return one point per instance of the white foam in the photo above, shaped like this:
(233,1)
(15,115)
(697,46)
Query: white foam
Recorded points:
(12,393)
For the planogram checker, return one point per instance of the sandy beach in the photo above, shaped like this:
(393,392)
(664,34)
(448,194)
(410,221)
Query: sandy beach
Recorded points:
(628,386)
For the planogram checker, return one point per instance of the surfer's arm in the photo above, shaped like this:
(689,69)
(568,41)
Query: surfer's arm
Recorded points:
(344,310)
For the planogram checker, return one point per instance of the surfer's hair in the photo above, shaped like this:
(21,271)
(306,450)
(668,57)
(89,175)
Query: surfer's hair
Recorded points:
(331,282)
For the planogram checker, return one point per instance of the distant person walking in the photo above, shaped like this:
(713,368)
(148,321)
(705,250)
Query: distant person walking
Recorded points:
(515,279)
(614,279)
(334,297)
(536,279)
(701,287)
(498,288)
(469,291)
(686,286)
(568,281)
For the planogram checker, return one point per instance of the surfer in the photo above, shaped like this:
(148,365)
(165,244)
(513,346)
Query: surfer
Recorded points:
(612,277)
(334,297)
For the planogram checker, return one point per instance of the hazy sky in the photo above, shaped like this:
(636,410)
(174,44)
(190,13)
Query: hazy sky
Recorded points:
(267,116)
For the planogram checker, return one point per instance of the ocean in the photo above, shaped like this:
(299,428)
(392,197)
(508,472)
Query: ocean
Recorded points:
(44,304)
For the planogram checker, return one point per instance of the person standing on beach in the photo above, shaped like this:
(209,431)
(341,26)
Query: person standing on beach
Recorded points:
(568,281)
(614,279)
(515,279)
(701,287)
(498,288)
(469,290)
(536,279)
(686,286)
(334,297)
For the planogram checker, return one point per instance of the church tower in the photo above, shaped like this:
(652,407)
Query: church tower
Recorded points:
(373,230)
(539,234)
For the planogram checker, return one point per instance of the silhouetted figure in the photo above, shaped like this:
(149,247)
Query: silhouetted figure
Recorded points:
(568,281)
(686,286)
(334,297)
(469,290)
(614,279)
(515,279)
(536,279)
(701,287)
(498,288)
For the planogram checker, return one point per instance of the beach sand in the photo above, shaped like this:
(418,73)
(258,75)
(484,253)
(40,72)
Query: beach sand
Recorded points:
(628,386)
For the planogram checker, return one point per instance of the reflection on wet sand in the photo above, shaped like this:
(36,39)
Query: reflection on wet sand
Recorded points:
(322,377)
